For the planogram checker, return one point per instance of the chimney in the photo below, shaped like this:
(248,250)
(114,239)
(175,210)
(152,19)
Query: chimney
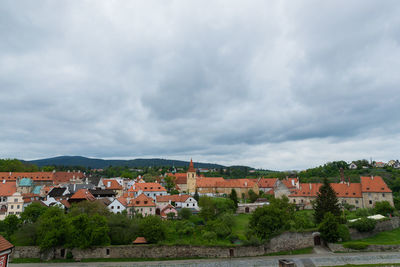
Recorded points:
(292,182)
(287,177)
(109,184)
(69,171)
(4,181)
(372,177)
(74,187)
(342,175)
(10,173)
(310,186)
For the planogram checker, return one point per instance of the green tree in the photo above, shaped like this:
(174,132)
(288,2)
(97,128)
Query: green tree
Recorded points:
(53,228)
(10,225)
(383,208)
(153,229)
(32,212)
(329,228)
(170,183)
(252,196)
(88,207)
(185,213)
(196,195)
(326,202)
(207,208)
(233,196)
(270,220)
(88,231)
(122,229)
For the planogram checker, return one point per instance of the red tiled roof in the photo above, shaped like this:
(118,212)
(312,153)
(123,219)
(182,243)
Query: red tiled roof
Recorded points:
(347,190)
(142,201)
(147,187)
(236,183)
(208,181)
(123,201)
(168,207)
(140,240)
(65,177)
(114,185)
(180,178)
(36,176)
(290,182)
(374,184)
(306,190)
(4,244)
(83,194)
(65,203)
(174,198)
(267,182)
(7,188)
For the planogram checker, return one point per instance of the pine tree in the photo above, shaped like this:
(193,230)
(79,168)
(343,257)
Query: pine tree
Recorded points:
(233,196)
(326,202)
(196,196)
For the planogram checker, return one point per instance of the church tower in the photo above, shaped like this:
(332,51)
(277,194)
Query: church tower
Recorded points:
(191,178)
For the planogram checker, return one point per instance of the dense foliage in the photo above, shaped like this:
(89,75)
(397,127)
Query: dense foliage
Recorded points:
(329,228)
(364,225)
(326,202)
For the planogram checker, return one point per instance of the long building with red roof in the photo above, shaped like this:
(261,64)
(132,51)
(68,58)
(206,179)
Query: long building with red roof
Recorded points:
(361,195)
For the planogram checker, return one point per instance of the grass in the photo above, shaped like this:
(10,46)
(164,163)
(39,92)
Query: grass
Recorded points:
(383,238)
(241,225)
(308,250)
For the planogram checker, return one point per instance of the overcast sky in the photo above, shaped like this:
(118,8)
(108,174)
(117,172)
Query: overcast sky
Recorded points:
(270,84)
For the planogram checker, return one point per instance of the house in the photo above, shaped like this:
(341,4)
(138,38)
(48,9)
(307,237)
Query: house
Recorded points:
(103,193)
(178,201)
(143,205)
(221,186)
(168,210)
(81,195)
(7,189)
(118,205)
(379,164)
(352,166)
(250,207)
(112,184)
(374,189)
(24,185)
(15,204)
(149,189)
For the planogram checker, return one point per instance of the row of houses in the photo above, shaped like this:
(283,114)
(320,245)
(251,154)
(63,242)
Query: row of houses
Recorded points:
(19,190)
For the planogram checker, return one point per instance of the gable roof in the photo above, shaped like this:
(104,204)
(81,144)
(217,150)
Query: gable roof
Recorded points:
(290,182)
(147,187)
(57,192)
(168,207)
(174,198)
(374,184)
(65,177)
(112,184)
(267,182)
(36,176)
(83,194)
(180,178)
(306,190)
(142,201)
(7,189)
(208,181)
(4,244)
(347,189)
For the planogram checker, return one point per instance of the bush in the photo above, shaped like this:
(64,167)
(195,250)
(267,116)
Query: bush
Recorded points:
(364,225)
(344,233)
(356,245)
(383,208)
(329,228)
(185,213)
(362,212)
(69,255)
(209,236)
(153,229)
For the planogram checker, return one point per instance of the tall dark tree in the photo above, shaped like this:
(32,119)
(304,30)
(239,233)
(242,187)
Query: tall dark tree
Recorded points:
(196,196)
(326,202)
(233,196)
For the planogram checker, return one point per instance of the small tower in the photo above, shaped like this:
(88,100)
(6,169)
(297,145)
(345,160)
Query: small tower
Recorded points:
(191,178)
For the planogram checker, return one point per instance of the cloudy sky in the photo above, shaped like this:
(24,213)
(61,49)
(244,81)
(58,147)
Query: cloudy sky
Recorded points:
(271,84)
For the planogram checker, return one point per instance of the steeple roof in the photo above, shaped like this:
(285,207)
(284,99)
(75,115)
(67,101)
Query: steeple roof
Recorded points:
(191,167)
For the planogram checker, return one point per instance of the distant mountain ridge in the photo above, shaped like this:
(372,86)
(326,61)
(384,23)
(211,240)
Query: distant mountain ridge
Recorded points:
(103,163)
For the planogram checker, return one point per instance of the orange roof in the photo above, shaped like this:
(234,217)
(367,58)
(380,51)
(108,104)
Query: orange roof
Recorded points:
(191,166)
(290,182)
(142,201)
(4,244)
(168,207)
(267,182)
(123,201)
(236,183)
(347,190)
(64,177)
(7,189)
(180,178)
(374,184)
(36,176)
(114,185)
(208,181)
(174,198)
(153,187)
(306,190)
(83,194)
(140,240)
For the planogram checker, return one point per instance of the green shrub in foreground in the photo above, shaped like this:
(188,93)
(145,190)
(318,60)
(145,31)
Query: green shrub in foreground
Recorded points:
(364,225)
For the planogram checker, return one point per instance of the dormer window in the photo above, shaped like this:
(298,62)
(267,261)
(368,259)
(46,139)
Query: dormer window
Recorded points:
(367,188)
(137,202)
(354,194)
(383,188)
(145,202)
(347,193)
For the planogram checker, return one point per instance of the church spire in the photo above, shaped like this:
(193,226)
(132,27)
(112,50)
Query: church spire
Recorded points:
(191,167)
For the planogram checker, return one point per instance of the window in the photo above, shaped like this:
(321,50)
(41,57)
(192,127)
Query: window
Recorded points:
(294,200)
(301,201)
(108,251)
(383,194)
(15,200)
(17,206)
(150,209)
(12,206)
(370,202)
(117,207)
(356,201)
(112,207)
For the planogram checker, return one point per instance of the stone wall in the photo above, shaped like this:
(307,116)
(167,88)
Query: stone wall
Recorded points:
(290,241)
(388,225)
(340,248)
(284,242)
